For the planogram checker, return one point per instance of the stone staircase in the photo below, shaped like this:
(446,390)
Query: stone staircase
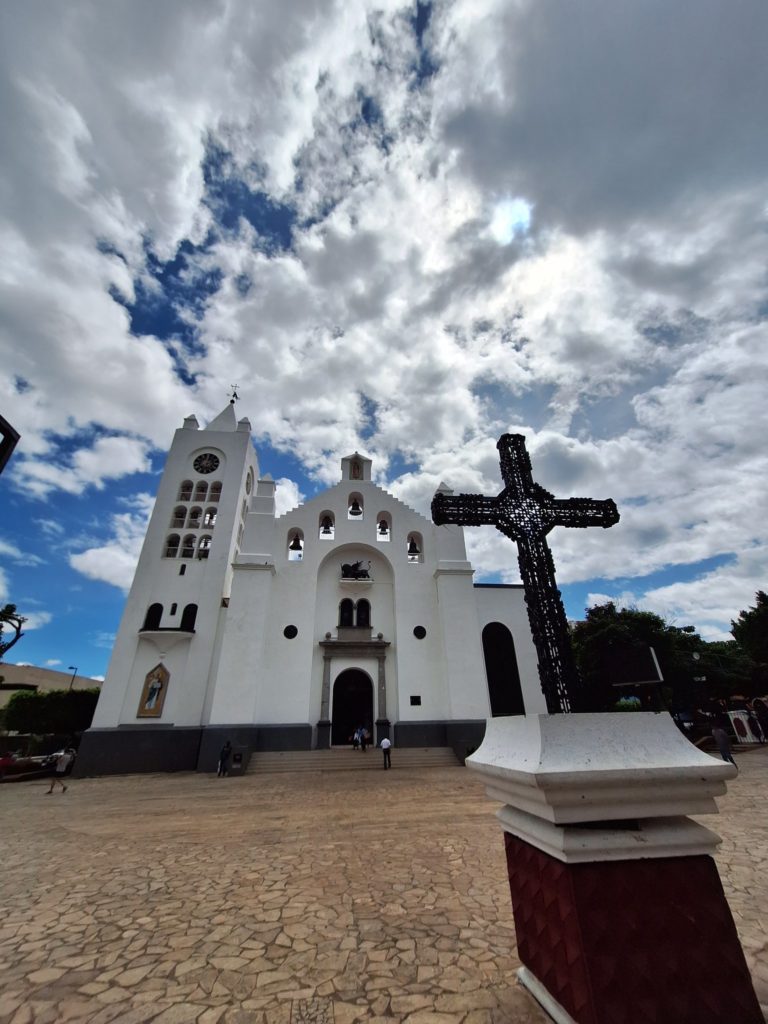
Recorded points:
(345,759)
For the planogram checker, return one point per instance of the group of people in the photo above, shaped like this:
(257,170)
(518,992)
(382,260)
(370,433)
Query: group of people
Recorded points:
(360,739)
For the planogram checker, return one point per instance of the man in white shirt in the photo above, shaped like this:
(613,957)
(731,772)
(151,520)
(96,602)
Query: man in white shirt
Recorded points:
(62,763)
(385,745)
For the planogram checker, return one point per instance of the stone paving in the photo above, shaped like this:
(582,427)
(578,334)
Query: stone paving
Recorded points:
(327,898)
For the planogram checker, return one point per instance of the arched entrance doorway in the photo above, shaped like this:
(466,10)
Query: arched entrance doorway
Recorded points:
(352,705)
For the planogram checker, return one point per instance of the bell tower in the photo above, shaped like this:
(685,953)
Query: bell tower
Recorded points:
(172,613)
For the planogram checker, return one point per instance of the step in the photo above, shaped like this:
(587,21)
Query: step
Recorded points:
(345,759)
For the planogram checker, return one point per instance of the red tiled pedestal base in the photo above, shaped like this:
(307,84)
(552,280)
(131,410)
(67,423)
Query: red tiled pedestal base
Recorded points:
(631,941)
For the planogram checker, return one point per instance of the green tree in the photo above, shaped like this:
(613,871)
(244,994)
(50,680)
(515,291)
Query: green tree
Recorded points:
(612,641)
(750,630)
(10,617)
(53,711)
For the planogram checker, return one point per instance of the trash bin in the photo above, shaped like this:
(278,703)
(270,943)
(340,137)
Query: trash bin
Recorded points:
(240,758)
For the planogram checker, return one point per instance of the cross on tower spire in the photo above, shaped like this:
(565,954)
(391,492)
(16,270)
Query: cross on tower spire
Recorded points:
(525,513)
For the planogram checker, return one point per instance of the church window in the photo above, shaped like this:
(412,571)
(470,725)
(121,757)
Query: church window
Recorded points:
(188,617)
(249,482)
(179,517)
(182,570)
(201,490)
(243,509)
(240,535)
(153,617)
(290,632)
(188,547)
(363,613)
(174,607)
(504,689)
(419,632)
(215,494)
(172,545)
(415,700)
(209,520)
(204,546)
(415,548)
(327,526)
(295,545)
(185,491)
(355,507)
(383,527)
(346,613)
(195,515)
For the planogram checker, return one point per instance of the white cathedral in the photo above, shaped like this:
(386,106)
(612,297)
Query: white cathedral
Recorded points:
(289,632)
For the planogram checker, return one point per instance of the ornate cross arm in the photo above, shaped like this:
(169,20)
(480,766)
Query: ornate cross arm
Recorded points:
(584,512)
(468,509)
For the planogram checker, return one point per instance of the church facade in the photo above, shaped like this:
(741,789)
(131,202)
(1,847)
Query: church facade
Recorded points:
(290,632)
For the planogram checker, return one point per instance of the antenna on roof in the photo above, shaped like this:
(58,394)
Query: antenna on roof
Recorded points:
(234,396)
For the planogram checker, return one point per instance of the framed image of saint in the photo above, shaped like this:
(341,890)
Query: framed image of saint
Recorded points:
(153,692)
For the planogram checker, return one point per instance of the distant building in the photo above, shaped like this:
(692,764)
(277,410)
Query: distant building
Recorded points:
(290,632)
(18,678)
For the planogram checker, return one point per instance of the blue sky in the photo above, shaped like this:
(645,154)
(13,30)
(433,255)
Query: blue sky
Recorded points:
(395,232)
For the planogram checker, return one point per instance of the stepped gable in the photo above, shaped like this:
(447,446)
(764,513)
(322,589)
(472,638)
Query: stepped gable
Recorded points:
(319,499)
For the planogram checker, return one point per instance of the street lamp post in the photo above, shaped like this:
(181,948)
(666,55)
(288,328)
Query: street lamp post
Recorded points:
(74,673)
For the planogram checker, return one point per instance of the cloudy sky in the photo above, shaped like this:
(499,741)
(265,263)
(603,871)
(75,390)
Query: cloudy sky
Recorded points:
(403,228)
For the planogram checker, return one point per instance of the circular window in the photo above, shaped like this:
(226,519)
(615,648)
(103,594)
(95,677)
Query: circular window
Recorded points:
(290,632)
(419,632)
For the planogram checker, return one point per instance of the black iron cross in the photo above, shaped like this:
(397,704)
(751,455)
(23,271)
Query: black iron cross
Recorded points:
(525,512)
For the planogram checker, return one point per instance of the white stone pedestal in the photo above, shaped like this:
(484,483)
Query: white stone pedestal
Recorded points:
(617,900)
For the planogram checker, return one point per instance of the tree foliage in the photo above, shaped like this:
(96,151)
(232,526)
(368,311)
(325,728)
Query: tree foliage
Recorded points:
(750,630)
(693,670)
(10,617)
(52,711)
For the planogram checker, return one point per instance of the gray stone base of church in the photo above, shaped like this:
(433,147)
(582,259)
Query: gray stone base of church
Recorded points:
(124,751)
(463,736)
(156,748)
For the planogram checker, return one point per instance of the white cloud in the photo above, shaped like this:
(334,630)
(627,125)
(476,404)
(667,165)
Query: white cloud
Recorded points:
(287,496)
(115,560)
(421,309)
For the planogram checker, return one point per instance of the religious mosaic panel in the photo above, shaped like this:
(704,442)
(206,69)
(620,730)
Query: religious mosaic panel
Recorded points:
(153,692)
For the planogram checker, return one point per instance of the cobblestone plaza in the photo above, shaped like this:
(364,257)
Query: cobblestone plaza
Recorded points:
(331,897)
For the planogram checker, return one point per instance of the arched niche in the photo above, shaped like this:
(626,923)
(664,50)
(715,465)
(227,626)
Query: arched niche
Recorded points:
(504,689)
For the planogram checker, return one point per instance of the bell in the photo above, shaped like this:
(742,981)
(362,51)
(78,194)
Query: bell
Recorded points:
(354,508)
(295,544)
(327,525)
(383,527)
(413,548)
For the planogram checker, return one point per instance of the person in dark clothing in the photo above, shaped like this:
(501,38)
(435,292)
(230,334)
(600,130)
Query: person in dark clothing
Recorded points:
(720,733)
(363,739)
(224,756)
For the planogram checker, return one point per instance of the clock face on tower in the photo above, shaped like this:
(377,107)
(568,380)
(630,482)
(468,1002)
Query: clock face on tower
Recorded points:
(206,463)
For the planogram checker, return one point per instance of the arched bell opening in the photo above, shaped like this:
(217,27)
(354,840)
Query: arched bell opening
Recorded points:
(295,545)
(355,507)
(352,705)
(327,527)
(415,547)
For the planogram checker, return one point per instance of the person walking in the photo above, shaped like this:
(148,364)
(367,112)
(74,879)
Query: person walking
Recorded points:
(720,733)
(363,738)
(385,747)
(63,762)
(224,756)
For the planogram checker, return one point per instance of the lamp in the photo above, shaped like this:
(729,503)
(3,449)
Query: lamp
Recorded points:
(74,673)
